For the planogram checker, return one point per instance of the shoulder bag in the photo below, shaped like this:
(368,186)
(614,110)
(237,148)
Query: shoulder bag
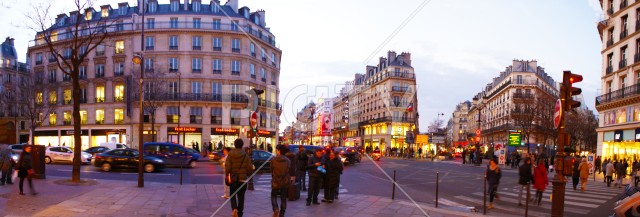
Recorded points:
(233,178)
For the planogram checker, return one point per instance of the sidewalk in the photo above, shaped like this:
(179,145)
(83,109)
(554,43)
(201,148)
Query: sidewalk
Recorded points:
(123,198)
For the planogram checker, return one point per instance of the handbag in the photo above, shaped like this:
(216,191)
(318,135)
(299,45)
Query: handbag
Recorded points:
(30,173)
(232,178)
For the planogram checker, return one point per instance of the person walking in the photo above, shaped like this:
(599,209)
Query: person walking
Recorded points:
(6,164)
(576,172)
(223,159)
(598,165)
(525,174)
(419,153)
(280,180)
(464,155)
(584,173)
(334,170)
(636,173)
(493,175)
(604,169)
(25,170)
(301,176)
(314,165)
(238,164)
(609,173)
(620,173)
(541,180)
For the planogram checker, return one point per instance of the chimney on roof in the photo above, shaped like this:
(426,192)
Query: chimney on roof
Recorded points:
(233,4)
(263,20)
(9,41)
(407,58)
(391,56)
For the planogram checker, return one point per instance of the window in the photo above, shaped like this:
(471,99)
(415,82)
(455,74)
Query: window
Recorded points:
(123,10)
(234,25)
(273,78)
(252,71)
(38,58)
(83,116)
(195,115)
(214,7)
(153,7)
(263,75)
(52,119)
(273,59)
(196,65)
(118,95)
(216,91)
(217,66)
(196,23)
(119,26)
(118,69)
(195,5)
(173,64)
(173,115)
(151,23)
(148,64)
(99,116)
(235,116)
(100,50)
(66,96)
(147,116)
(67,53)
(173,89)
(216,24)
(263,119)
(119,47)
(623,82)
(196,42)
(235,67)
(623,57)
(610,63)
(174,6)
(173,23)
(216,115)
(83,50)
(105,12)
(52,75)
(196,90)
(99,94)
(252,48)
(217,44)
(88,15)
(39,98)
(264,56)
(118,116)
(235,45)
(83,95)
(173,42)
(99,70)
(623,26)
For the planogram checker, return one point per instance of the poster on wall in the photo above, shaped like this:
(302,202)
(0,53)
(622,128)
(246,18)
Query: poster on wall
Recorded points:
(325,125)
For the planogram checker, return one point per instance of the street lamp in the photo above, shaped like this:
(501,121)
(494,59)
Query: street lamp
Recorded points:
(139,59)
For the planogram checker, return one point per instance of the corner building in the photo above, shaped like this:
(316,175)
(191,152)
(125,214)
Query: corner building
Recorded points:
(208,54)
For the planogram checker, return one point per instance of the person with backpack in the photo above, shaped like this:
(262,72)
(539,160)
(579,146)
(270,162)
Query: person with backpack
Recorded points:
(238,170)
(493,175)
(541,180)
(280,180)
(525,174)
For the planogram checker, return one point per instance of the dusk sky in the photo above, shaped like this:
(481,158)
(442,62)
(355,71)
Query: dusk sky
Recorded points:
(457,46)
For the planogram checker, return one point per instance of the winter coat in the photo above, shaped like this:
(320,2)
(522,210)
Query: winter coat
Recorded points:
(5,158)
(584,170)
(293,161)
(24,164)
(334,170)
(541,180)
(302,159)
(493,177)
(609,169)
(280,166)
(621,170)
(311,166)
(525,174)
(576,169)
(234,164)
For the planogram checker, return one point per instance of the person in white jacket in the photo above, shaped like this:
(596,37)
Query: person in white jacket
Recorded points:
(609,174)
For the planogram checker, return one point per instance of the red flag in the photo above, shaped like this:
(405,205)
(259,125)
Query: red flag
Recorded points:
(410,107)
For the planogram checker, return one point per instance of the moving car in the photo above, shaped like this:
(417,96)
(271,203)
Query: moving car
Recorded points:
(172,154)
(309,149)
(64,153)
(260,157)
(215,156)
(96,150)
(126,158)
(348,154)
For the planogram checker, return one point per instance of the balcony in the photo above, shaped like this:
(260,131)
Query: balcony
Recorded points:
(38,62)
(83,121)
(623,34)
(610,11)
(196,47)
(83,100)
(52,80)
(401,75)
(118,121)
(99,53)
(99,99)
(82,76)
(627,92)
(66,122)
(636,58)
(173,47)
(217,71)
(522,96)
(66,101)
(622,63)
(235,72)
(196,70)
(609,69)
(118,98)
(399,89)
(52,60)
(99,74)
(235,50)
(150,70)
(387,119)
(253,76)
(253,54)
(217,48)
(637,25)
(264,59)
(273,83)
(100,122)
(623,4)
(66,78)
(149,47)
(173,70)
(120,73)
(264,80)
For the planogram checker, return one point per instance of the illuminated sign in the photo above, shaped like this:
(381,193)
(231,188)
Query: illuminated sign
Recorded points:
(225,130)
(184,129)
(422,139)
(515,139)
(265,133)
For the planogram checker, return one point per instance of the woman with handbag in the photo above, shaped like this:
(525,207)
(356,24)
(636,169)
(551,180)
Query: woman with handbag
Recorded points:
(25,170)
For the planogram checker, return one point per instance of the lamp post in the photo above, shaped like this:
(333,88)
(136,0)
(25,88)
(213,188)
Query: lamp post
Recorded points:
(139,59)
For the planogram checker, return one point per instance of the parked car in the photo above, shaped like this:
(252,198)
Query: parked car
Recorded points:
(113,145)
(64,153)
(216,156)
(309,149)
(126,158)
(259,157)
(17,148)
(15,156)
(96,150)
(172,154)
(348,154)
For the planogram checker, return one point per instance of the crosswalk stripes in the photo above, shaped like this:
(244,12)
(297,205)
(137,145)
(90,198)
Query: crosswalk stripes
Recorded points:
(263,183)
(576,202)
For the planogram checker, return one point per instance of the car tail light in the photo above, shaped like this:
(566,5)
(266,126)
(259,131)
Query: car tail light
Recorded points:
(98,157)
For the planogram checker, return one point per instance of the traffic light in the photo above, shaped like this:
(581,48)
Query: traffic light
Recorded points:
(568,80)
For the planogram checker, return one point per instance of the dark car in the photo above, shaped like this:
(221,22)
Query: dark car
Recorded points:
(126,158)
(349,154)
(308,149)
(216,156)
(96,150)
(260,157)
(171,154)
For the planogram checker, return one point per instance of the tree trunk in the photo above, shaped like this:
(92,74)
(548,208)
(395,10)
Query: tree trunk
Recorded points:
(153,126)
(77,147)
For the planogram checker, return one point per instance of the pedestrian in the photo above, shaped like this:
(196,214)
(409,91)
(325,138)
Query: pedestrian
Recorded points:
(620,174)
(6,164)
(576,172)
(419,153)
(238,168)
(219,145)
(584,173)
(332,182)
(604,169)
(540,180)
(518,158)
(464,155)
(598,164)
(25,170)
(280,180)
(314,165)
(210,147)
(223,159)
(609,173)
(269,148)
(301,176)
(525,175)
(636,173)
(493,175)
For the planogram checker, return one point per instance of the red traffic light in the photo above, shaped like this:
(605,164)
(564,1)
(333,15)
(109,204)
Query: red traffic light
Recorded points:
(568,90)
(575,78)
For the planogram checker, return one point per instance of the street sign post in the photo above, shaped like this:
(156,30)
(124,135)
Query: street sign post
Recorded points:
(557,115)
(253,120)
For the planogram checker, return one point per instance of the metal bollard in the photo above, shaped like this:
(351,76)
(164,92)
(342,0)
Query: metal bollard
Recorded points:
(437,182)
(393,192)
(526,206)
(484,207)
(180,174)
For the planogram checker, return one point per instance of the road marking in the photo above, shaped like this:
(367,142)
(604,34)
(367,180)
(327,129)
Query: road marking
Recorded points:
(498,206)
(545,199)
(207,175)
(64,170)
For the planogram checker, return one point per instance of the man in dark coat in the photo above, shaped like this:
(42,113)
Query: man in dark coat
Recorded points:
(332,181)
(280,180)
(526,175)
(238,163)
(315,176)
(301,175)
(576,172)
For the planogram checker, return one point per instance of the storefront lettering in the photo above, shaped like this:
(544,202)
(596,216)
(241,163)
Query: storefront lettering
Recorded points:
(71,132)
(264,133)
(184,129)
(225,130)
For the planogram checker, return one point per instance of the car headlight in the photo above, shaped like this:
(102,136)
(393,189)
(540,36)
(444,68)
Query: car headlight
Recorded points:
(343,159)
(15,158)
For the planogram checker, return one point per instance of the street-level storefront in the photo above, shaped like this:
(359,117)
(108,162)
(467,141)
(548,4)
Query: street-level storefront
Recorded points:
(352,141)
(185,135)
(224,135)
(266,137)
(621,145)
(88,137)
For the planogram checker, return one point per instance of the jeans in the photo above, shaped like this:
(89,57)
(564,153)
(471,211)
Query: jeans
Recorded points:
(283,192)
(493,190)
(237,198)
(609,179)
(314,189)
(539,196)
(576,180)
(301,177)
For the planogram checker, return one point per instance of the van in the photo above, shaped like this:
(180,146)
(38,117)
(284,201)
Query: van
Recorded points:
(172,154)
(113,145)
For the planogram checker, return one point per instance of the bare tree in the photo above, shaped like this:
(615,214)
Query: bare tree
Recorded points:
(70,51)
(523,116)
(155,92)
(30,100)
(435,125)
(581,126)
(544,106)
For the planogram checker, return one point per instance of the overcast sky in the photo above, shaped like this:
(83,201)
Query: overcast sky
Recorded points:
(457,46)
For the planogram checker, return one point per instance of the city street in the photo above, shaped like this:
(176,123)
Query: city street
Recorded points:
(460,186)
